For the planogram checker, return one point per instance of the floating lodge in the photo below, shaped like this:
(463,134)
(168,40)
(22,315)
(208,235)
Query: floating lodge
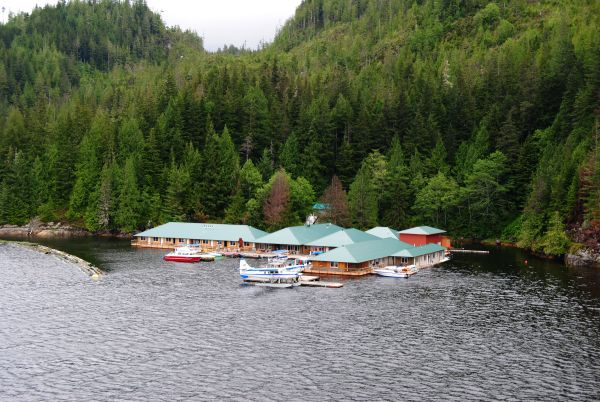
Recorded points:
(332,249)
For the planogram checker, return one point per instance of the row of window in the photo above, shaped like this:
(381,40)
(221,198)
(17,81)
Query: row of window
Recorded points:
(174,240)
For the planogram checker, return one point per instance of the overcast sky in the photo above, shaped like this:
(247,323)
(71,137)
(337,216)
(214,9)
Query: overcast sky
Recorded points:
(219,22)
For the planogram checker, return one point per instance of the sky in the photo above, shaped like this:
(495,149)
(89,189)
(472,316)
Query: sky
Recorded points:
(219,22)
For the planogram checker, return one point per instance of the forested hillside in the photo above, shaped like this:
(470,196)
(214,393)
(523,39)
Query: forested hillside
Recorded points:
(480,117)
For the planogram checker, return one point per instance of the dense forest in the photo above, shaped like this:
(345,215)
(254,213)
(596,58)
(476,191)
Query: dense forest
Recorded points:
(476,116)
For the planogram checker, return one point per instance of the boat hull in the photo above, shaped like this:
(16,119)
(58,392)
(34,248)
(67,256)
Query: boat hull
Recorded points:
(392,274)
(181,258)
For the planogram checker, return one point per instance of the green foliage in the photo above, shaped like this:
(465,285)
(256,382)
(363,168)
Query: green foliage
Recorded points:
(362,199)
(128,213)
(555,241)
(101,103)
(485,194)
(434,201)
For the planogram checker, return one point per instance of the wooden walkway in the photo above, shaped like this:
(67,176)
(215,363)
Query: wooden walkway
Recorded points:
(305,280)
(461,250)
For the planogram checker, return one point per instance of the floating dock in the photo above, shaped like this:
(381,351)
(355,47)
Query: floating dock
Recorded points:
(461,250)
(305,280)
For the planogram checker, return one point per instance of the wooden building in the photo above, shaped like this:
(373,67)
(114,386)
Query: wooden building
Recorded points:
(296,239)
(421,235)
(361,258)
(383,232)
(209,236)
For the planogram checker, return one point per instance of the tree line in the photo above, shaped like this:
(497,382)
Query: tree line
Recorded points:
(479,117)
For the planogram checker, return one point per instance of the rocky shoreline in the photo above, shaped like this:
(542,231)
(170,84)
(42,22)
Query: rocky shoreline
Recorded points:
(583,258)
(53,230)
(85,266)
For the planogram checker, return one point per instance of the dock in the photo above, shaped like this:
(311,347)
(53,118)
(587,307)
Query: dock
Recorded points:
(319,284)
(461,250)
(305,280)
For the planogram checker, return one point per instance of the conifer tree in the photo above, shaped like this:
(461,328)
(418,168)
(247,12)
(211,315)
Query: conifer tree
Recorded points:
(290,157)
(336,201)
(362,199)
(127,216)
(265,164)
(277,204)
(396,198)
(555,241)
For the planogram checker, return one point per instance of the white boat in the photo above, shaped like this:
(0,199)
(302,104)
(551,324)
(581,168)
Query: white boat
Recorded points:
(268,274)
(393,271)
(184,254)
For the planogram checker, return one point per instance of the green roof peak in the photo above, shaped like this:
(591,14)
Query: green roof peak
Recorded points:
(422,230)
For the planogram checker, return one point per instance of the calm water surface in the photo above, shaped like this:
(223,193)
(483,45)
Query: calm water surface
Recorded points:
(482,327)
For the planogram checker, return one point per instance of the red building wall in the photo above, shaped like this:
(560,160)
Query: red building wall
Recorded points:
(420,240)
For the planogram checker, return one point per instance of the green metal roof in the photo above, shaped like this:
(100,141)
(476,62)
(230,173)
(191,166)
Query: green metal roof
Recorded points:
(342,238)
(363,251)
(419,251)
(204,231)
(383,232)
(299,235)
(422,230)
(321,206)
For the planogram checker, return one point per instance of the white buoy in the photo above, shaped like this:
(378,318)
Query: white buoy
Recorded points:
(95,277)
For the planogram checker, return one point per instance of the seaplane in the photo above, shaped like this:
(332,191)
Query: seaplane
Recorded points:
(271,275)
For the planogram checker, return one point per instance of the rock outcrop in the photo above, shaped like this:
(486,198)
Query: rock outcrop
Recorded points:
(585,257)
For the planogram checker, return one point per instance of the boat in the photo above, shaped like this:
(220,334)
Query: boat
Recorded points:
(213,255)
(393,271)
(184,254)
(269,274)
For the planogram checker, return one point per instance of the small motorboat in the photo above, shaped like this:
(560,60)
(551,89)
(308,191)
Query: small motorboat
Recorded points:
(184,254)
(214,255)
(393,271)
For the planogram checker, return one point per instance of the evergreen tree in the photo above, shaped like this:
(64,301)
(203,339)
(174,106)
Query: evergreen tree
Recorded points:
(127,216)
(289,158)
(362,199)
(250,180)
(336,200)
(265,164)
(555,241)
(485,193)
(277,205)
(396,199)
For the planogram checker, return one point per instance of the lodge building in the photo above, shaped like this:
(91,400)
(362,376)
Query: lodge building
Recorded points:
(211,237)
(361,258)
(333,249)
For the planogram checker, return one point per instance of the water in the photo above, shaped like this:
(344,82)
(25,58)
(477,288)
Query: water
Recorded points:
(482,327)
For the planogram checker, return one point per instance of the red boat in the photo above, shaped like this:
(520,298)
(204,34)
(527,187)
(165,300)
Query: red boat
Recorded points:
(184,254)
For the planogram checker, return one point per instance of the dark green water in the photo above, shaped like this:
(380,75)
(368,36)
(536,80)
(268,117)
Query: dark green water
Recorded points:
(479,327)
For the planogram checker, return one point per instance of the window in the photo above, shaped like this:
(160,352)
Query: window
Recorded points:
(204,241)
(142,238)
(246,244)
(334,264)
(155,238)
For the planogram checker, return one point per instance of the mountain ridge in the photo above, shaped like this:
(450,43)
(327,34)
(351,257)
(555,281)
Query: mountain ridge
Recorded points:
(465,102)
